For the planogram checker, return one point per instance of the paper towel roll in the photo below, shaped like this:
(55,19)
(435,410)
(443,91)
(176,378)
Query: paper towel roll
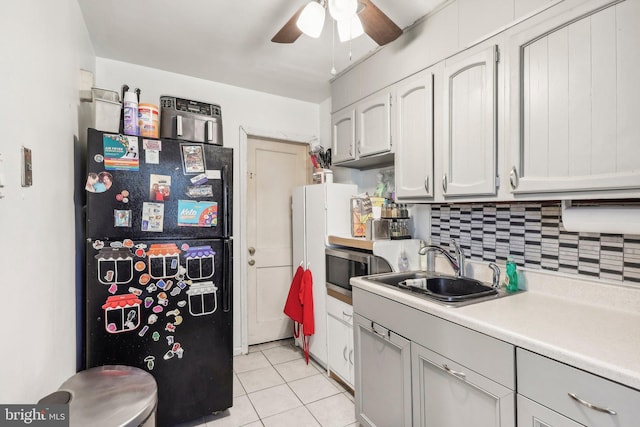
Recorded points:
(601,219)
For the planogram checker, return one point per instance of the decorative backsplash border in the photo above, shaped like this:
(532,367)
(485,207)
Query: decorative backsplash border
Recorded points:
(534,235)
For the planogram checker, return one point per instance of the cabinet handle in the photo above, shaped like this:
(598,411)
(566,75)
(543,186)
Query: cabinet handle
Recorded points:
(350,316)
(351,357)
(592,406)
(426,184)
(513,178)
(358,145)
(458,374)
(344,353)
(444,183)
(373,329)
(350,150)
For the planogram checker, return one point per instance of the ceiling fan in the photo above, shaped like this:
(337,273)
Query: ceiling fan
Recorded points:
(352,16)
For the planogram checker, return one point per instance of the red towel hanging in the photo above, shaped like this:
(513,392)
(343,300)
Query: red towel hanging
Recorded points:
(293,306)
(299,307)
(306,298)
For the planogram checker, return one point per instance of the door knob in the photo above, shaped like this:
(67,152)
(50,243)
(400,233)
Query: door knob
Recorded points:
(252,250)
(252,261)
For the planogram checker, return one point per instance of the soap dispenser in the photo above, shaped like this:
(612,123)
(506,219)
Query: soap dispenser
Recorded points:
(511,278)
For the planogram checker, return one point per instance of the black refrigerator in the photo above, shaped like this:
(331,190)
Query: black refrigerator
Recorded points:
(158,288)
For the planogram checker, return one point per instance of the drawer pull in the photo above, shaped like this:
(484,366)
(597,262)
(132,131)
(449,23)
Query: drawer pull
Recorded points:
(344,353)
(347,315)
(592,406)
(458,374)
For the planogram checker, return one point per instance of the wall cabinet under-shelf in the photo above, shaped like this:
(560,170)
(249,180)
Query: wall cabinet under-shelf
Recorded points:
(361,134)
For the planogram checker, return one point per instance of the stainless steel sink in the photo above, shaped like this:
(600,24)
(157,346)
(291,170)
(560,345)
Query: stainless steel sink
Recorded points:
(449,290)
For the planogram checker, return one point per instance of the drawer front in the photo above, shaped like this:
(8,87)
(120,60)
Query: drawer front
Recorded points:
(490,357)
(552,384)
(340,310)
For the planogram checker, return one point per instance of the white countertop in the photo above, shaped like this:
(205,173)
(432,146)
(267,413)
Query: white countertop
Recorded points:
(594,337)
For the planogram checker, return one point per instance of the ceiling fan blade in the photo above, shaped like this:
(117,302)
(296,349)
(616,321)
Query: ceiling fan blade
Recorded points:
(289,31)
(377,25)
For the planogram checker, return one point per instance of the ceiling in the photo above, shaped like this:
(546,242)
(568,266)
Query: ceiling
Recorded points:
(228,41)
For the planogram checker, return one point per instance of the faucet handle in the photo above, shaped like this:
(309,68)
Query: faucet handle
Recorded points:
(496,275)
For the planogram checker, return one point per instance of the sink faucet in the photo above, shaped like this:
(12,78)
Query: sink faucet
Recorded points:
(456,262)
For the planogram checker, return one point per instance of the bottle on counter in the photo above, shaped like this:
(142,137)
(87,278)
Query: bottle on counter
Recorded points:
(511,278)
(130,113)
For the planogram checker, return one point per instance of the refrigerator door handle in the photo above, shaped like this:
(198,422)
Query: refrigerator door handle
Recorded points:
(228,277)
(225,202)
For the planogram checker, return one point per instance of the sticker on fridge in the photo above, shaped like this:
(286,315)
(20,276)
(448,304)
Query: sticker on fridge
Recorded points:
(192,213)
(152,217)
(159,187)
(120,152)
(193,159)
(121,313)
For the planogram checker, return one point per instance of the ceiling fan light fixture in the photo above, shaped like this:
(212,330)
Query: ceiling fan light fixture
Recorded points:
(349,29)
(311,19)
(342,9)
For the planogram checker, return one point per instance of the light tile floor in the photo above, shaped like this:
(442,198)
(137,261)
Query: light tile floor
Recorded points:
(274,387)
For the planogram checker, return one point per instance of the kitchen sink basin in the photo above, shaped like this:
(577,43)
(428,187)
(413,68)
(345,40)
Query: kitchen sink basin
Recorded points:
(447,289)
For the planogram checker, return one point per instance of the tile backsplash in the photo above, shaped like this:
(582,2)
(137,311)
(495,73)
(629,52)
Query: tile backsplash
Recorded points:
(534,235)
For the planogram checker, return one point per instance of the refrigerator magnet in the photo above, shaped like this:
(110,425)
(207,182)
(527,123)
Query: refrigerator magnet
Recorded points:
(121,218)
(200,191)
(197,214)
(159,187)
(120,152)
(192,159)
(152,148)
(152,217)
(98,182)
(121,313)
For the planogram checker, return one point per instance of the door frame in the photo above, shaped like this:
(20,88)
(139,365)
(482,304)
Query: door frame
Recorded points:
(240,249)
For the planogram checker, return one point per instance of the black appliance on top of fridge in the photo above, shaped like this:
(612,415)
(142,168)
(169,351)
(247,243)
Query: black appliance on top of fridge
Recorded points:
(158,289)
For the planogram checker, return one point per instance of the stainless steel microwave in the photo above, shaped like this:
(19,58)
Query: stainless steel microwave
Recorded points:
(343,264)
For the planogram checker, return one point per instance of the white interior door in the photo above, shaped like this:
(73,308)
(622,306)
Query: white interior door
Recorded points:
(274,168)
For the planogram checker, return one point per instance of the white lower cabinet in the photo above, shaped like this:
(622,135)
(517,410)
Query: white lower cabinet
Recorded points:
(340,339)
(383,376)
(532,414)
(574,394)
(446,394)
(415,369)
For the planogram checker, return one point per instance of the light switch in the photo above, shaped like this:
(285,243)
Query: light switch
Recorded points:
(27,167)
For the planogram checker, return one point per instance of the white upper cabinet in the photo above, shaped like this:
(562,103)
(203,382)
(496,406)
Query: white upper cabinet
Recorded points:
(575,100)
(373,119)
(343,135)
(414,137)
(470,123)
(362,133)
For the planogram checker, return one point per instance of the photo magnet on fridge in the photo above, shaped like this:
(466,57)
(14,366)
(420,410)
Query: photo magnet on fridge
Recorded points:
(192,159)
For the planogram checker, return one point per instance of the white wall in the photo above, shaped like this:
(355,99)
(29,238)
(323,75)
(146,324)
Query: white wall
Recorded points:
(252,110)
(43,44)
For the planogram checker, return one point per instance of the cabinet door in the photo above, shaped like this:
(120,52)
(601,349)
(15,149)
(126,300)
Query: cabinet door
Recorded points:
(374,124)
(470,124)
(383,375)
(340,348)
(414,137)
(531,414)
(576,101)
(343,131)
(449,395)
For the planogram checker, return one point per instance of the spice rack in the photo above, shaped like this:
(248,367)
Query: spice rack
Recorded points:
(398,216)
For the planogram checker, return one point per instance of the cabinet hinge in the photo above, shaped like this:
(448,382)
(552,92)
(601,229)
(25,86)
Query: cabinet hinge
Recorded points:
(497,181)
(497,55)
